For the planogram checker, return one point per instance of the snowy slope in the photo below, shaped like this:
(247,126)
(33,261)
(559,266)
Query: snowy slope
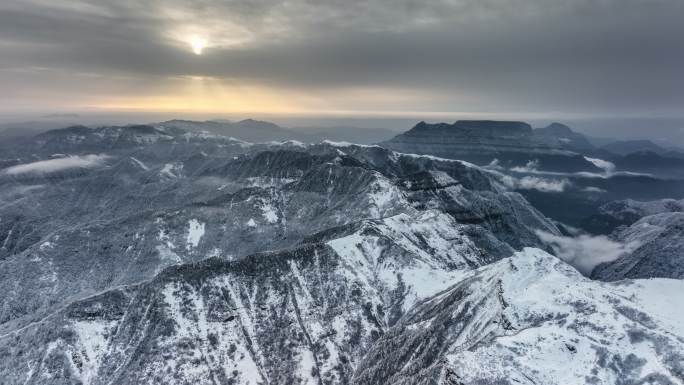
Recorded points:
(532,319)
(184,199)
(299,316)
(659,250)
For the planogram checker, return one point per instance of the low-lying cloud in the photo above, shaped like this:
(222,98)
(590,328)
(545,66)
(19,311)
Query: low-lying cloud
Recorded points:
(529,168)
(542,184)
(535,183)
(608,170)
(585,252)
(59,164)
(594,189)
(606,166)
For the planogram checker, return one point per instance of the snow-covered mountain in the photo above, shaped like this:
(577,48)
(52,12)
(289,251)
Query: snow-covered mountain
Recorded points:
(616,214)
(658,249)
(300,315)
(630,210)
(182,198)
(626,212)
(532,319)
(150,254)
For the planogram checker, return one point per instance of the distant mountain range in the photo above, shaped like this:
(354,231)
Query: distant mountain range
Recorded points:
(248,130)
(561,136)
(514,144)
(555,135)
(560,171)
(626,147)
(546,164)
(259,131)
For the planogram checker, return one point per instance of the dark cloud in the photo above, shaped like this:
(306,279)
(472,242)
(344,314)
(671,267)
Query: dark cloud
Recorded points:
(583,58)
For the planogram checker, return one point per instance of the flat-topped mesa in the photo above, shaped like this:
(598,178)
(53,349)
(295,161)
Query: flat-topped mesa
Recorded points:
(484,128)
(507,143)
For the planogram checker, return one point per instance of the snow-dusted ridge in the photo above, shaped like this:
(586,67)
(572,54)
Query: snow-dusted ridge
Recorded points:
(276,315)
(660,241)
(532,319)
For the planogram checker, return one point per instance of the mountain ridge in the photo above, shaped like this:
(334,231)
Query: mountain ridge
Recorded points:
(159,255)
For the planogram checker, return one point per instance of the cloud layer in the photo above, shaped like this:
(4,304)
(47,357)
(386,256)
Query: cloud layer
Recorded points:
(585,252)
(54,165)
(533,56)
(531,182)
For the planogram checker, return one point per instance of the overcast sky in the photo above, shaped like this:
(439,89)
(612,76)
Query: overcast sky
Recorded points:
(540,59)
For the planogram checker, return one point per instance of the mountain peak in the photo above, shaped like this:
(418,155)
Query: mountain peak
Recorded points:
(257,123)
(558,128)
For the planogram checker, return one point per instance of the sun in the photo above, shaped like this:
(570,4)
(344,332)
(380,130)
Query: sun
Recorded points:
(197,44)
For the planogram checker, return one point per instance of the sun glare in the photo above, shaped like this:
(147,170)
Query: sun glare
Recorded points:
(197,43)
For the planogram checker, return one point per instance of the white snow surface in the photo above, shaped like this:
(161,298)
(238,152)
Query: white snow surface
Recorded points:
(384,196)
(562,325)
(405,258)
(140,164)
(195,233)
(269,212)
(171,170)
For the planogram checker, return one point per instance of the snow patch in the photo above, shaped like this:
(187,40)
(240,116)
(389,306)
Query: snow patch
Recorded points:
(94,344)
(140,164)
(269,213)
(195,233)
(171,170)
